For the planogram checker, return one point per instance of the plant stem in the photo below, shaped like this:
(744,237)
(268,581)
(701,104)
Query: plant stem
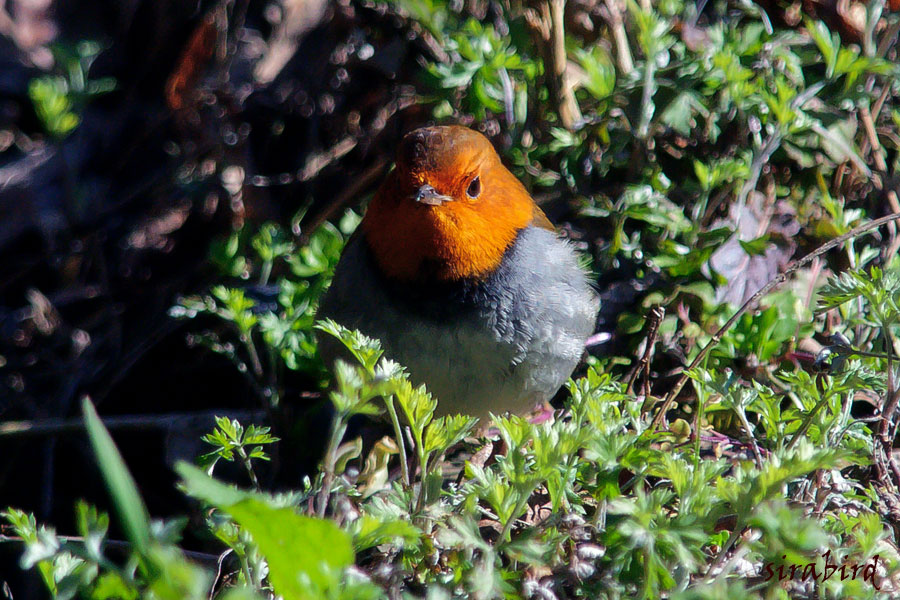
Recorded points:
(247,338)
(398,433)
(245,568)
(647,107)
(806,423)
(747,427)
(420,497)
(523,500)
(337,433)
(246,460)
(265,272)
(569,113)
(616,22)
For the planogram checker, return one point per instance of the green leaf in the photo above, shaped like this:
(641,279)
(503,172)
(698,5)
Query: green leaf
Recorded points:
(755,247)
(199,485)
(447,431)
(601,74)
(306,556)
(679,114)
(372,531)
(129,505)
(111,586)
(827,42)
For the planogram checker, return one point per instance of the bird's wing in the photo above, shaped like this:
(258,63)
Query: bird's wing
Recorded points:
(539,219)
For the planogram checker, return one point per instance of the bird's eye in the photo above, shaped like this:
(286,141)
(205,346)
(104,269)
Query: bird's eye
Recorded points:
(474,189)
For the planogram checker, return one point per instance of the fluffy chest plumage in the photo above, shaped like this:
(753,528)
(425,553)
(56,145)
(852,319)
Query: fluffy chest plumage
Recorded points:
(502,344)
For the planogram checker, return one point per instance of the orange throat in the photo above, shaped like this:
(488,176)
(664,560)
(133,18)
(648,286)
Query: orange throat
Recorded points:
(456,240)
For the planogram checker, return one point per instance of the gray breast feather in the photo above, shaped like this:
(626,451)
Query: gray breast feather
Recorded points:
(517,337)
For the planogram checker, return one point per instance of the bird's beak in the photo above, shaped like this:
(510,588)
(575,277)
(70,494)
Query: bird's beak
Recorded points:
(430,196)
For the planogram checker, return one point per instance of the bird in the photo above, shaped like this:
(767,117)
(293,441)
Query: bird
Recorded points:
(463,279)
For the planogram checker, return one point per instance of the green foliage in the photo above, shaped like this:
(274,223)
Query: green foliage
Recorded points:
(595,494)
(305,557)
(489,69)
(270,327)
(53,105)
(600,80)
(707,110)
(484,71)
(59,99)
(121,486)
(156,567)
(231,440)
(869,302)
(879,291)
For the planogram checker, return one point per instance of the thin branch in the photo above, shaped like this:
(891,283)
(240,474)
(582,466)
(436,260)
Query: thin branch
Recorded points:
(756,166)
(351,193)
(749,430)
(647,108)
(888,39)
(653,320)
(888,428)
(879,102)
(807,421)
(55,427)
(872,138)
(548,27)
(569,112)
(614,16)
(842,145)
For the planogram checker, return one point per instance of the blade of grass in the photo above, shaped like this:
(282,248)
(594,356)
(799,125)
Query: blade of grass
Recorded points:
(129,506)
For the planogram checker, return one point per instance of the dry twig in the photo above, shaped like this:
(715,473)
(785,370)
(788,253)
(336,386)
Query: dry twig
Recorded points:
(548,25)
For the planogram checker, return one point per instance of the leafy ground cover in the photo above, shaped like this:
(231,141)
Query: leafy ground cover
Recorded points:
(717,444)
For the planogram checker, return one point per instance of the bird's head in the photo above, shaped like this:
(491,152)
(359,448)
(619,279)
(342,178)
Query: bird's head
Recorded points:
(449,210)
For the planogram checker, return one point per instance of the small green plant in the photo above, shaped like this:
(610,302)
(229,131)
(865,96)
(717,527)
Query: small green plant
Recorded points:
(231,441)
(270,323)
(155,568)
(59,99)
(355,388)
(494,76)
